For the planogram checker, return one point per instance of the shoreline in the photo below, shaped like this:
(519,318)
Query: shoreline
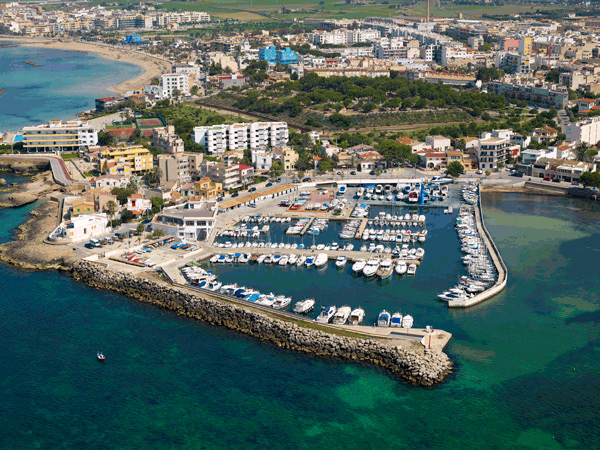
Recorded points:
(152,66)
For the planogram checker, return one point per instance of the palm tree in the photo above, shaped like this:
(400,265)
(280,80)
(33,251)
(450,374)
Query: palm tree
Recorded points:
(582,152)
(111,208)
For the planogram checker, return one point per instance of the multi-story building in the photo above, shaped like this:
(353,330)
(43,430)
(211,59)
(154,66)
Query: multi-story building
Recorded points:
(180,167)
(286,56)
(227,175)
(193,221)
(492,152)
(166,139)
(536,94)
(239,136)
(262,160)
(137,157)
(267,54)
(61,136)
(587,131)
(172,82)
(390,48)
(207,189)
(289,157)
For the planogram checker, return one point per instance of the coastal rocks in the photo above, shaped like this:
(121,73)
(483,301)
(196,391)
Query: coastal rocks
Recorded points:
(2,182)
(20,165)
(16,199)
(415,365)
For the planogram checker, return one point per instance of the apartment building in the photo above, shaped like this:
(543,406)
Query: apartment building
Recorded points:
(217,139)
(137,157)
(227,175)
(390,49)
(60,136)
(262,160)
(289,157)
(171,82)
(539,94)
(587,131)
(492,152)
(166,139)
(180,167)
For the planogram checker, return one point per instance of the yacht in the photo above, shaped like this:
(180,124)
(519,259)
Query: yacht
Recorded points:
(371,267)
(384,319)
(357,316)
(214,259)
(293,259)
(266,300)
(412,269)
(386,269)
(282,302)
(358,266)
(304,306)
(407,321)
(341,316)
(321,260)
(401,268)
(301,261)
(326,314)
(310,260)
(341,261)
(396,321)
(284,260)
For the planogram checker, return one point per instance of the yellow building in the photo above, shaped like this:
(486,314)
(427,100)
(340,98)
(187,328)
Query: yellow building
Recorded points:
(82,206)
(525,45)
(289,158)
(138,157)
(207,189)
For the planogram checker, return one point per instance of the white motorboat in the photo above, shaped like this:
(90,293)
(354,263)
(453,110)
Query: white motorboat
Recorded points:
(284,260)
(301,260)
(371,267)
(214,259)
(293,259)
(282,302)
(304,306)
(358,266)
(407,321)
(341,261)
(401,268)
(412,269)
(386,269)
(310,260)
(326,314)
(420,253)
(384,319)
(321,260)
(342,314)
(357,316)
(396,321)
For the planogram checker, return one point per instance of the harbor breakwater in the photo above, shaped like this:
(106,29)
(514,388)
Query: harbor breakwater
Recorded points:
(417,366)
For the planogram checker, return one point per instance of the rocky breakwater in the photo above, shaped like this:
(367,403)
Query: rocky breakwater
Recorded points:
(417,365)
(25,166)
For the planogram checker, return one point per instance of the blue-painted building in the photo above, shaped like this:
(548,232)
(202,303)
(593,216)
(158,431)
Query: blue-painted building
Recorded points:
(133,39)
(286,56)
(267,54)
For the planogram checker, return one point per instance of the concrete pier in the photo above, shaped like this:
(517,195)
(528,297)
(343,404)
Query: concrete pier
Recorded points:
(307,226)
(496,259)
(361,228)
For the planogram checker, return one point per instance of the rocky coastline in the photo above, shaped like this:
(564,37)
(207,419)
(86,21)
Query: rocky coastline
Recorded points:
(417,366)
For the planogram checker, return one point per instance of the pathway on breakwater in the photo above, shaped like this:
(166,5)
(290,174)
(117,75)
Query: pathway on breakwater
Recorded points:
(59,170)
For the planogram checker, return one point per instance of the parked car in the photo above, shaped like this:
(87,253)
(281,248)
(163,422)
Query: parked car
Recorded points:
(339,173)
(556,180)
(268,184)
(306,180)
(372,172)
(547,179)
(575,183)
(252,189)
(279,180)
(235,194)
(479,172)
(353,172)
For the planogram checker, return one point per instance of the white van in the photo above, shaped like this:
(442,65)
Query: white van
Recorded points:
(95,242)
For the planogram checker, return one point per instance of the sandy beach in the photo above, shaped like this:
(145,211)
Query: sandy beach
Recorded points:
(153,66)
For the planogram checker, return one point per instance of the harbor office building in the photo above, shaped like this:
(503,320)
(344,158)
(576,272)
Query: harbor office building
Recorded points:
(60,136)
(193,221)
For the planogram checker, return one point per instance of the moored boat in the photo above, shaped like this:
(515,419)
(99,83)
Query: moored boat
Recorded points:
(357,316)
(384,319)
(341,315)
(326,314)
(396,321)
(304,306)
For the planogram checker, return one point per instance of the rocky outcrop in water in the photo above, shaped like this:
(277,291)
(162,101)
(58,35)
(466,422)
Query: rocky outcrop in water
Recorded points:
(417,366)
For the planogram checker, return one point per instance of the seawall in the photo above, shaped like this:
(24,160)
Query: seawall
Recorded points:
(417,366)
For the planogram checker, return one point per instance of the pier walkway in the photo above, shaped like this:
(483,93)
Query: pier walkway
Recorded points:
(496,259)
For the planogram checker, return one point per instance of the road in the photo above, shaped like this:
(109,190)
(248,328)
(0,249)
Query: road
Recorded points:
(59,169)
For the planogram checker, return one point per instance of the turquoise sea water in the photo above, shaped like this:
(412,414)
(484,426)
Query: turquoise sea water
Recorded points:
(526,375)
(64,84)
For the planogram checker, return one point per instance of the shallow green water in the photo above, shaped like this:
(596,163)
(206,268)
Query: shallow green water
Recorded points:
(526,378)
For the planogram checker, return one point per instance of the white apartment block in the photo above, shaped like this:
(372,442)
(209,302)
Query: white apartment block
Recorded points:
(166,139)
(170,82)
(587,131)
(240,136)
(344,37)
(193,221)
(390,49)
(57,135)
(452,53)
(262,160)
(491,152)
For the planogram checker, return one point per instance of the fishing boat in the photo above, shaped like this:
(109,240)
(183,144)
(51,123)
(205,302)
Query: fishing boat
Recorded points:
(301,261)
(100,357)
(384,319)
(326,314)
(304,306)
(358,266)
(386,269)
(357,316)
(341,261)
(320,260)
(396,321)
(341,315)
(282,302)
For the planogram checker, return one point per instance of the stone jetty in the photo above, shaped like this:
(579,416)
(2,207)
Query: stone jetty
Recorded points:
(415,365)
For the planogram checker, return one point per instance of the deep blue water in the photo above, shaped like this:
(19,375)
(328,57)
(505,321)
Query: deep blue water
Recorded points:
(64,84)
(526,375)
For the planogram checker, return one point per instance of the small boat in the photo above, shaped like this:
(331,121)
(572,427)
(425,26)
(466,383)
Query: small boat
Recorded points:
(371,267)
(341,261)
(357,316)
(321,260)
(31,63)
(301,261)
(412,269)
(384,319)
(358,266)
(401,268)
(386,269)
(304,306)
(2,91)
(396,321)
(100,357)
(310,260)
(341,315)
(282,302)
(407,321)
(326,314)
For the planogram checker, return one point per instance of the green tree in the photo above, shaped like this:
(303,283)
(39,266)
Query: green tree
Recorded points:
(590,179)
(276,170)
(157,204)
(105,138)
(153,176)
(158,233)
(325,165)
(455,169)
(126,216)
(140,228)
(123,193)
(111,208)
(582,152)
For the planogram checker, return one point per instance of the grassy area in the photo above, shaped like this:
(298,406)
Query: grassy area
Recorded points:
(70,156)
(469,11)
